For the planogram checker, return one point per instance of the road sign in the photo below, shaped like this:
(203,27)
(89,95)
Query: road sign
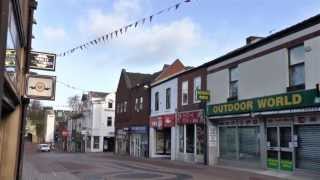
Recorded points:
(40,87)
(42,61)
(203,95)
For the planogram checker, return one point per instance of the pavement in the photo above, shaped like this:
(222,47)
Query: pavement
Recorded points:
(107,166)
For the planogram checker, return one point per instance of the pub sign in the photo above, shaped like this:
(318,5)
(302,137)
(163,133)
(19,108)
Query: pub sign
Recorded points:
(42,61)
(40,87)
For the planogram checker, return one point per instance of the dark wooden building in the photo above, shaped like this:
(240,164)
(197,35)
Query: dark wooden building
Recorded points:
(132,113)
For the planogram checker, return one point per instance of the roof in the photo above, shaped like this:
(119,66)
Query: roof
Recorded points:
(96,94)
(171,70)
(280,34)
(133,79)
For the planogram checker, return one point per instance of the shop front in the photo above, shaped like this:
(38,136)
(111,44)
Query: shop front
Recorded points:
(279,132)
(122,141)
(139,146)
(162,139)
(190,136)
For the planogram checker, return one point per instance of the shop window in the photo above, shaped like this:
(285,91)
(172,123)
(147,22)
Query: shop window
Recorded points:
(89,142)
(227,142)
(200,138)
(168,98)
(156,101)
(181,139)
(96,142)
(13,44)
(196,86)
(163,141)
(233,82)
(249,143)
(109,121)
(141,103)
(190,138)
(296,66)
(184,92)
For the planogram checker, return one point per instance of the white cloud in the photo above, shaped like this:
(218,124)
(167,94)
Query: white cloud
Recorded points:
(157,42)
(54,33)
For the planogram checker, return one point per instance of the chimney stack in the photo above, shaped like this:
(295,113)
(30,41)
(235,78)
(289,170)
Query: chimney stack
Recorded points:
(253,39)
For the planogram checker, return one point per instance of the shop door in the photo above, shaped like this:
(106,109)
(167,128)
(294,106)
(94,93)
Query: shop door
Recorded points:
(279,148)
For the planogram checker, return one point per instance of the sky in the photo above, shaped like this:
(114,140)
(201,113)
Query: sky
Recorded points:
(196,33)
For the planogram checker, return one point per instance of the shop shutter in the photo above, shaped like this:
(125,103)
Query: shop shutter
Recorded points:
(308,151)
(249,143)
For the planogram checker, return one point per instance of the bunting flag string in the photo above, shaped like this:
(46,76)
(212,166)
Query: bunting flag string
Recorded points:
(120,31)
(70,86)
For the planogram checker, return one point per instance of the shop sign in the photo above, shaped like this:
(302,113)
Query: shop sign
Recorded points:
(162,121)
(193,117)
(138,129)
(299,99)
(40,87)
(212,136)
(286,165)
(10,60)
(203,95)
(42,61)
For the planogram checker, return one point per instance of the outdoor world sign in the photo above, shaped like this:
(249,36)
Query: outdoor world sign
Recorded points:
(299,99)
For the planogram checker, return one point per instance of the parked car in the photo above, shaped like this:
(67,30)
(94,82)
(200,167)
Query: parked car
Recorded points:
(44,147)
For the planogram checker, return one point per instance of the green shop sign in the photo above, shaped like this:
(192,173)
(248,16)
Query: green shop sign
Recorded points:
(300,99)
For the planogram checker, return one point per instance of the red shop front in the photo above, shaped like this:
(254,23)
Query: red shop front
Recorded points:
(161,127)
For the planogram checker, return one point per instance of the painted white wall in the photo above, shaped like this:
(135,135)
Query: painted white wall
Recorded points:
(218,85)
(161,88)
(263,76)
(49,134)
(312,63)
(97,120)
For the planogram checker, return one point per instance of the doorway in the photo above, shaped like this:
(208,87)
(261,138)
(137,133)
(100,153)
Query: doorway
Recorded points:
(280,150)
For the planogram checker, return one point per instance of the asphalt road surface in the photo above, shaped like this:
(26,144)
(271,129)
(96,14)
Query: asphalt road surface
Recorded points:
(106,166)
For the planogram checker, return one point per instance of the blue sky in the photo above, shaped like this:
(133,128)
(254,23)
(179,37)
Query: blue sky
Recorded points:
(196,33)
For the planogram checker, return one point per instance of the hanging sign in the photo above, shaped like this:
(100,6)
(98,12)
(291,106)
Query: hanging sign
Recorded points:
(10,60)
(40,87)
(42,61)
(203,95)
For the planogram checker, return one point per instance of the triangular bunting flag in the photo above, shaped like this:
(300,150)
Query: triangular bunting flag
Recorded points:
(95,41)
(107,36)
(116,32)
(136,24)
(177,6)
(121,30)
(126,28)
(143,20)
(186,1)
(160,12)
(150,18)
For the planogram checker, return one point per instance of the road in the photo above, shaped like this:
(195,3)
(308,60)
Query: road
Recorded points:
(107,166)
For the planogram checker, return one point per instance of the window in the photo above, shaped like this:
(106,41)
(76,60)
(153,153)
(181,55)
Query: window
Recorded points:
(156,101)
(96,142)
(184,92)
(196,86)
(296,65)
(125,106)
(121,107)
(110,105)
(181,139)
(190,138)
(168,98)
(136,105)
(141,103)
(89,142)
(109,121)
(233,82)
(118,107)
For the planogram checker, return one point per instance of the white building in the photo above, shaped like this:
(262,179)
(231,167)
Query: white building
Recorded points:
(49,126)
(164,97)
(264,109)
(98,121)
